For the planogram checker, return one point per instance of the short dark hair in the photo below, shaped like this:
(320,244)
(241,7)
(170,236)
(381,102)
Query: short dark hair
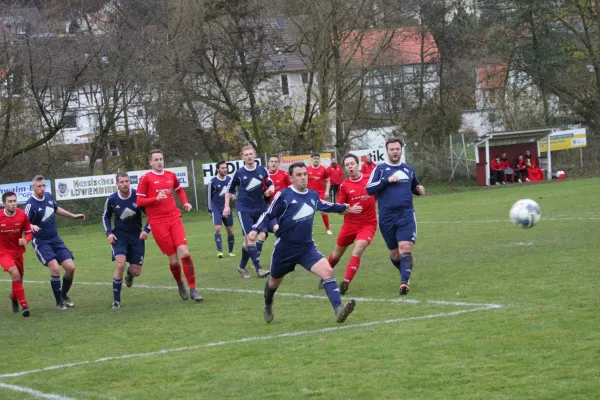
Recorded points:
(296,165)
(121,175)
(219,164)
(349,155)
(315,155)
(6,195)
(154,152)
(274,156)
(37,178)
(394,140)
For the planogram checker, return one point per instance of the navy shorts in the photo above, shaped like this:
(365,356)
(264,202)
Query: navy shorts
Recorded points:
(399,227)
(219,219)
(131,246)
(286,256)
(248,219)
(52,250)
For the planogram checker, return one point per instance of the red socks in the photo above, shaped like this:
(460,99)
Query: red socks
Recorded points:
(326,221)
(332,262)
(176,271)
(188,269)
(352,268)
(19,293)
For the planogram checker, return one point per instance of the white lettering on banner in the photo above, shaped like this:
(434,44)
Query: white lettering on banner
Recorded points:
(209,171)
(286,161)
(86,187)
(378,156)
(23,190)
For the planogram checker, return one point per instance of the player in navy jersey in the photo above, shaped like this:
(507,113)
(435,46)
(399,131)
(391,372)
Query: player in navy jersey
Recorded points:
(49,247)
(295,209)
(127,237)
(249,181)
(217,187)
(395,183)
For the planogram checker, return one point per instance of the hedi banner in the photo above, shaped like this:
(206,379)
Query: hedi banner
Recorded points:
(286,161)
(210,170)
(87,187)
(23,190)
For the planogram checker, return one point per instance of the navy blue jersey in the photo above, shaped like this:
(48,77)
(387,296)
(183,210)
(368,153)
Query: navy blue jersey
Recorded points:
(216,189)
(249,185)
(295,212)
(393,197)
(42,213)
(128,216)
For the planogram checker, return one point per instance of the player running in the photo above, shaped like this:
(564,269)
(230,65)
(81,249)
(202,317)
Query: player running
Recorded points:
(357,228)
(394,183)
(217,187)
(249,181)
(155,194)
(281,180)
(295,208)
(127,238)
(318,180)
(13,223)
(41,208)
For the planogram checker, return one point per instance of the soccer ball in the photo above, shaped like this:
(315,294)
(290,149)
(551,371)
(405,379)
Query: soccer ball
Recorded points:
(525,213)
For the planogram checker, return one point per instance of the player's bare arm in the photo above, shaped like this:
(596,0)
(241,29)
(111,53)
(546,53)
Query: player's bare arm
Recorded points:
(327,187)
(226,209)
(65,213)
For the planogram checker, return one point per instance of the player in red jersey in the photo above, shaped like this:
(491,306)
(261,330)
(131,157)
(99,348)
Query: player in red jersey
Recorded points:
(357,228)
(155,193)
(318,180)
(281,180)
(13,223)
(368,166)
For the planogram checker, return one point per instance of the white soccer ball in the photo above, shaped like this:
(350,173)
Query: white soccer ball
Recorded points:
(525,213)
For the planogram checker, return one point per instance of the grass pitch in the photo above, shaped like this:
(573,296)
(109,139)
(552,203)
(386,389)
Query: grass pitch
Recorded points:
(494,312)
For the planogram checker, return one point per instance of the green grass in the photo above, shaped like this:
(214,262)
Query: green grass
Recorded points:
(542,344)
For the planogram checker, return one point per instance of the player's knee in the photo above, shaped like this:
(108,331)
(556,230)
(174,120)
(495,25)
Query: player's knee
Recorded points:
(14,274)
(218,230)
(406,248)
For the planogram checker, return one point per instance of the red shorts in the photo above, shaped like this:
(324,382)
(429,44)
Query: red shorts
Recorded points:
(351,233)
(8,260)
(169,236)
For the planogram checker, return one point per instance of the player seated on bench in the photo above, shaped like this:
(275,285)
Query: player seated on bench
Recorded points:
(497,174)
(521,169)
(509,172)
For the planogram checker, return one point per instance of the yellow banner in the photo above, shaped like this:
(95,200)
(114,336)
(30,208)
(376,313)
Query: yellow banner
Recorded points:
(564,140)
(286,161)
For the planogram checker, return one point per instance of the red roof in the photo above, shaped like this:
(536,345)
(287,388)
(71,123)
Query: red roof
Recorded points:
(386,47)
(492,76)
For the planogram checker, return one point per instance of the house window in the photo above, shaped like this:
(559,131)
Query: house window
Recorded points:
(140,113)
(70,122)
(285,89)
(304,78)
(281,22)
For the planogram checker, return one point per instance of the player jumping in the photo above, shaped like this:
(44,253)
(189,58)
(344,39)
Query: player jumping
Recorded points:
(249,181)
(318,180)
(217,187)
(127,238)
(155,194)
(357,228)
(13,223)
(295,209)
(394,183)
(49,247)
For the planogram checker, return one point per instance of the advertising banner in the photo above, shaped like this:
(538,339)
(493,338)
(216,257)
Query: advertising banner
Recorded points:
(210,170)
(22,190)
(286,161)
(564,140)
(378,156)
(87,187)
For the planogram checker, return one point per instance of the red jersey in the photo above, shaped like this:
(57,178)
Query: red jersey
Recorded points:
(367,168)
(355,192)
(11,230)
(316,178)
(281,180)
(150,185)
(336,174)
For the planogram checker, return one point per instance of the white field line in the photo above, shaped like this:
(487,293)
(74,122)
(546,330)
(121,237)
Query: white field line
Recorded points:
(295,295)
(35,393)
(243,340)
